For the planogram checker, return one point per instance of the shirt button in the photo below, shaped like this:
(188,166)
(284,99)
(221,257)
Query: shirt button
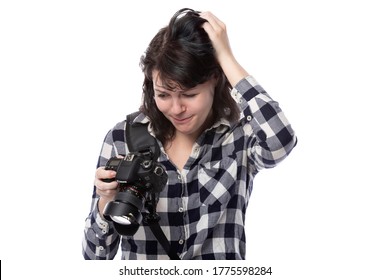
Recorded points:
(179,178)
(249,118)
(181,209)
(181,241)
(101,248)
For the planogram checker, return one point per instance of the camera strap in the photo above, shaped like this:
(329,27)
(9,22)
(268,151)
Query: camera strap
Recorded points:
(138,139)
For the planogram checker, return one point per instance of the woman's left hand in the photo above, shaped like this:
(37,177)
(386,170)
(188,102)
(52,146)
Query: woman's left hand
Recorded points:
(216,30)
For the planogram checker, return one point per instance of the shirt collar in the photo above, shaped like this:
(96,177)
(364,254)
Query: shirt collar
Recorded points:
(141,118)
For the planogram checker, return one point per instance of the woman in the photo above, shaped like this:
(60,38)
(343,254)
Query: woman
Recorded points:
(216,128)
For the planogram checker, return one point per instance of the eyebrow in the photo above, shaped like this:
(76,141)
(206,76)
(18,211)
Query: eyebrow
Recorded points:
(165,90)
(156,90)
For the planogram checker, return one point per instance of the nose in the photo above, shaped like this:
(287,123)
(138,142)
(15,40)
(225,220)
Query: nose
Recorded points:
(178,106)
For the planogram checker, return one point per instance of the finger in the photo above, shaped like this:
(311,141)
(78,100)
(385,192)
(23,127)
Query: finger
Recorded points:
(215,29)
(101,185)
(102,173)
(213,20)
(108,194)
(209,29)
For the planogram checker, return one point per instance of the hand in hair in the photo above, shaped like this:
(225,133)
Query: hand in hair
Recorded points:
(216,30)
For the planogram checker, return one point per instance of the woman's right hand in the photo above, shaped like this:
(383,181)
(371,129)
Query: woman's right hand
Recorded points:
(106,190)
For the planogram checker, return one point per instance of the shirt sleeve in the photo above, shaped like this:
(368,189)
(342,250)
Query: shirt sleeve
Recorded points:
(269,134)
(100,240)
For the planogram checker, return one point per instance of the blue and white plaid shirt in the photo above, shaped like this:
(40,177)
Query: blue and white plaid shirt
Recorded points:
(203,207)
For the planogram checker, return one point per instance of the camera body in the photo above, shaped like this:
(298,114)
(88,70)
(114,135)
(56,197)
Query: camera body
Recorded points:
(140,179)
(138,171)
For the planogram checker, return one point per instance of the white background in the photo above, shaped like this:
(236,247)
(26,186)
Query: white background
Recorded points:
(69,72)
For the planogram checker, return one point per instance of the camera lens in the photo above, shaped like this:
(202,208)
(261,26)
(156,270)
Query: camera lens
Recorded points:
(125,209)
(125,219)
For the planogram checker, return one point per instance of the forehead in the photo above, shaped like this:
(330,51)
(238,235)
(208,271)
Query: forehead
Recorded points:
(165,84)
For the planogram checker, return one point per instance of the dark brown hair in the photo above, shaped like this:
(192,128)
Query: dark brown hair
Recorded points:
(183,55)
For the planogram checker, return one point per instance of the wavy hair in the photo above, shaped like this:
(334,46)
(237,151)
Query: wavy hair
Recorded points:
(183,55)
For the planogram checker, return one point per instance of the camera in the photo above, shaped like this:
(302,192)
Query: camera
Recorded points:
(140,180)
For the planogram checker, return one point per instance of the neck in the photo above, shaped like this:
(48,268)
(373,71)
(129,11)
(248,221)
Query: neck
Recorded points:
(183,140)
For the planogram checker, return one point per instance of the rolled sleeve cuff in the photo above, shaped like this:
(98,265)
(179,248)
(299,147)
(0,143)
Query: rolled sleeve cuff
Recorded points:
(101,227)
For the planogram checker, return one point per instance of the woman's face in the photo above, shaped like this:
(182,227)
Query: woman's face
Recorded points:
(188,110)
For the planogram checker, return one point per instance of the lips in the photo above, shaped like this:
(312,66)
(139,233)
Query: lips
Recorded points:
(181,120)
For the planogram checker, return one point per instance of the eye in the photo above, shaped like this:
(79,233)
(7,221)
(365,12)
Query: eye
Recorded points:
(190,95)
(161,95)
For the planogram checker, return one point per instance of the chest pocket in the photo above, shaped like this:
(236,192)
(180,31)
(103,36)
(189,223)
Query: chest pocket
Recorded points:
(217,183)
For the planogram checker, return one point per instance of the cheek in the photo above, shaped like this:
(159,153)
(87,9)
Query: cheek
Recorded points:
(208,102)
(161,106)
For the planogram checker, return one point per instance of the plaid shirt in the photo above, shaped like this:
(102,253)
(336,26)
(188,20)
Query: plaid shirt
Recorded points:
(203,207)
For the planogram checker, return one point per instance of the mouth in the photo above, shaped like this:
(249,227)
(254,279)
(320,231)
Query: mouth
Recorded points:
(181,120)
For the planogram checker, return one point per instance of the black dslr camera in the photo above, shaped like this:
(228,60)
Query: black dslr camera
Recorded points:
(140,180)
